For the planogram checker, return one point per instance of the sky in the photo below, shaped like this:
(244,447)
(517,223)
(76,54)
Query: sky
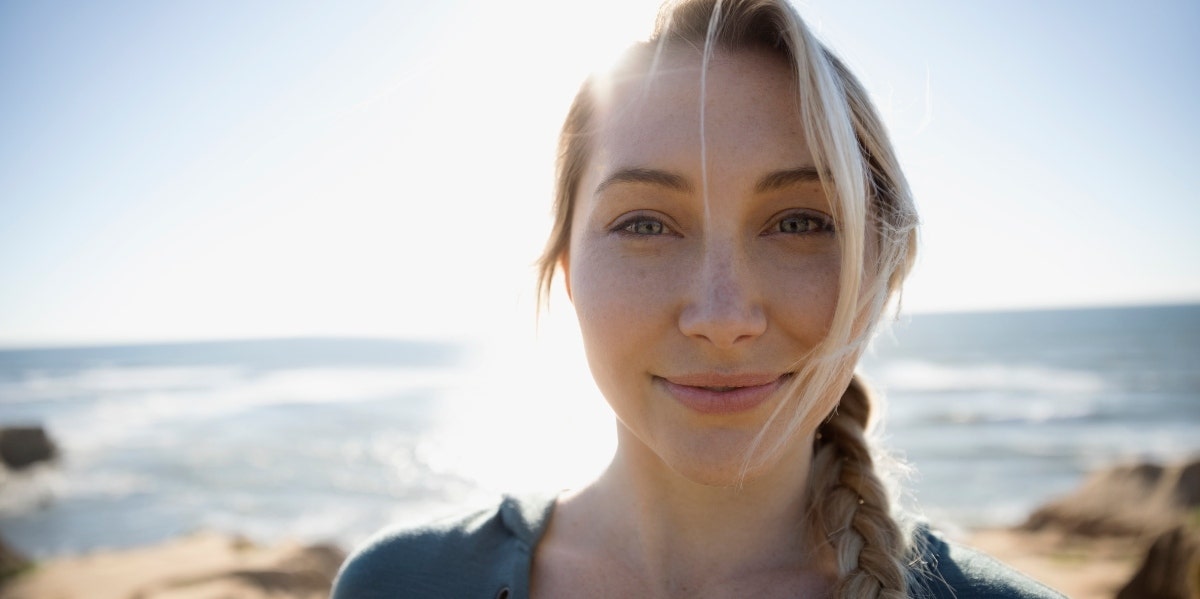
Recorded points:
(197,170)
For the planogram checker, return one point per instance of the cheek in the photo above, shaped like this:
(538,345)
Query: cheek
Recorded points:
(612,292)
(802,294)
(625,310)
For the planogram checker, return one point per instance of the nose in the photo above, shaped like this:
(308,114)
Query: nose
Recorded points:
(725,305)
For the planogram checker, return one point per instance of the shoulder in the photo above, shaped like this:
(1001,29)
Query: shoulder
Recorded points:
(953,571)
(477,554)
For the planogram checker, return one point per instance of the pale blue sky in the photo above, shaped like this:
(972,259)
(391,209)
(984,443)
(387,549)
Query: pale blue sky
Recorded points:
(209,169)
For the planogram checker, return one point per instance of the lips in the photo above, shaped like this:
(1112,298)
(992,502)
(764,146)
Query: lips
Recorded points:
(722,393)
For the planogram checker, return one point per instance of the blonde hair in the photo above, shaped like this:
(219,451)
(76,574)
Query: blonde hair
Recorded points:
(877,225)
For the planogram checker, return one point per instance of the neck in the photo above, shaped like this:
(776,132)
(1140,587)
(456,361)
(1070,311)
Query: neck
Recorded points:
(688,534)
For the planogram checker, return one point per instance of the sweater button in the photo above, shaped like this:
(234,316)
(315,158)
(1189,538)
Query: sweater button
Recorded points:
(502,593)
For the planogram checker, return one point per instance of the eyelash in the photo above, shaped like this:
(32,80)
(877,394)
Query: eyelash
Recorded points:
(816,224)
(629,225)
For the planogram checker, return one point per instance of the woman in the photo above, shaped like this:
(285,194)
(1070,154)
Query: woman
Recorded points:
(730,223)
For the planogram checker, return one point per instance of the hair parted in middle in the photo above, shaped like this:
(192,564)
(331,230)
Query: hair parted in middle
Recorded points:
(876,222)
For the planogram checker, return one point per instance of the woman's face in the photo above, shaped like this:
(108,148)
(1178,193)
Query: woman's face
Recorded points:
(703,262)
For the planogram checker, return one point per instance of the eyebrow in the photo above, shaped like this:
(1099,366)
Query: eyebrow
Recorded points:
(772,181)
(646,175)
(785,178)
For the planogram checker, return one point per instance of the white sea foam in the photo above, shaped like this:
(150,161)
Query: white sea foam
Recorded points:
(40,385)
(29,489)
(925,376)
(112,412)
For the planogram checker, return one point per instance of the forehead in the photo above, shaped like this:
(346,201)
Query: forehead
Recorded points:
(743,105)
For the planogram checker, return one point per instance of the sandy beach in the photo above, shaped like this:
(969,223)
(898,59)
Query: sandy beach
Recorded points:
(204,565)
(210,565)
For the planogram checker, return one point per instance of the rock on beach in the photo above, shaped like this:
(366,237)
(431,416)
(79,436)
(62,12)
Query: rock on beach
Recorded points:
(1132,500)
(24,446)
(1129,531)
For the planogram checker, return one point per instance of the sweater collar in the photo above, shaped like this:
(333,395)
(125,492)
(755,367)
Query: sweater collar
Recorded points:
(526,516)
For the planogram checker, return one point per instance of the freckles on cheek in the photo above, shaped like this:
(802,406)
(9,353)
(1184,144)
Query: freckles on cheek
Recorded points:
(607,291)
(809,293)
(606,313)
(621,299)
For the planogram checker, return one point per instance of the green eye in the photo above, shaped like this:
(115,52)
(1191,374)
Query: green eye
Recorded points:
(803,223)
(797,224)
(644,227)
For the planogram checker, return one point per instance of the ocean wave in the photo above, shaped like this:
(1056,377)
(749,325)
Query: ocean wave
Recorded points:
(45,385)
(30,489)
(924,376)
(151,399)
(1027,414)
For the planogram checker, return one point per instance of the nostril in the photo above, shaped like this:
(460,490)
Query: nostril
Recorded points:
(724,329)
(724,304)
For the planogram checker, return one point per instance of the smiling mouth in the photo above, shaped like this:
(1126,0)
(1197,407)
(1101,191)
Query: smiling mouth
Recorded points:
(723,394)
(726,382)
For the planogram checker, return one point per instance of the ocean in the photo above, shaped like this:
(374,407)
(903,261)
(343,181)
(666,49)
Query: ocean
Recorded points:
(329,439)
